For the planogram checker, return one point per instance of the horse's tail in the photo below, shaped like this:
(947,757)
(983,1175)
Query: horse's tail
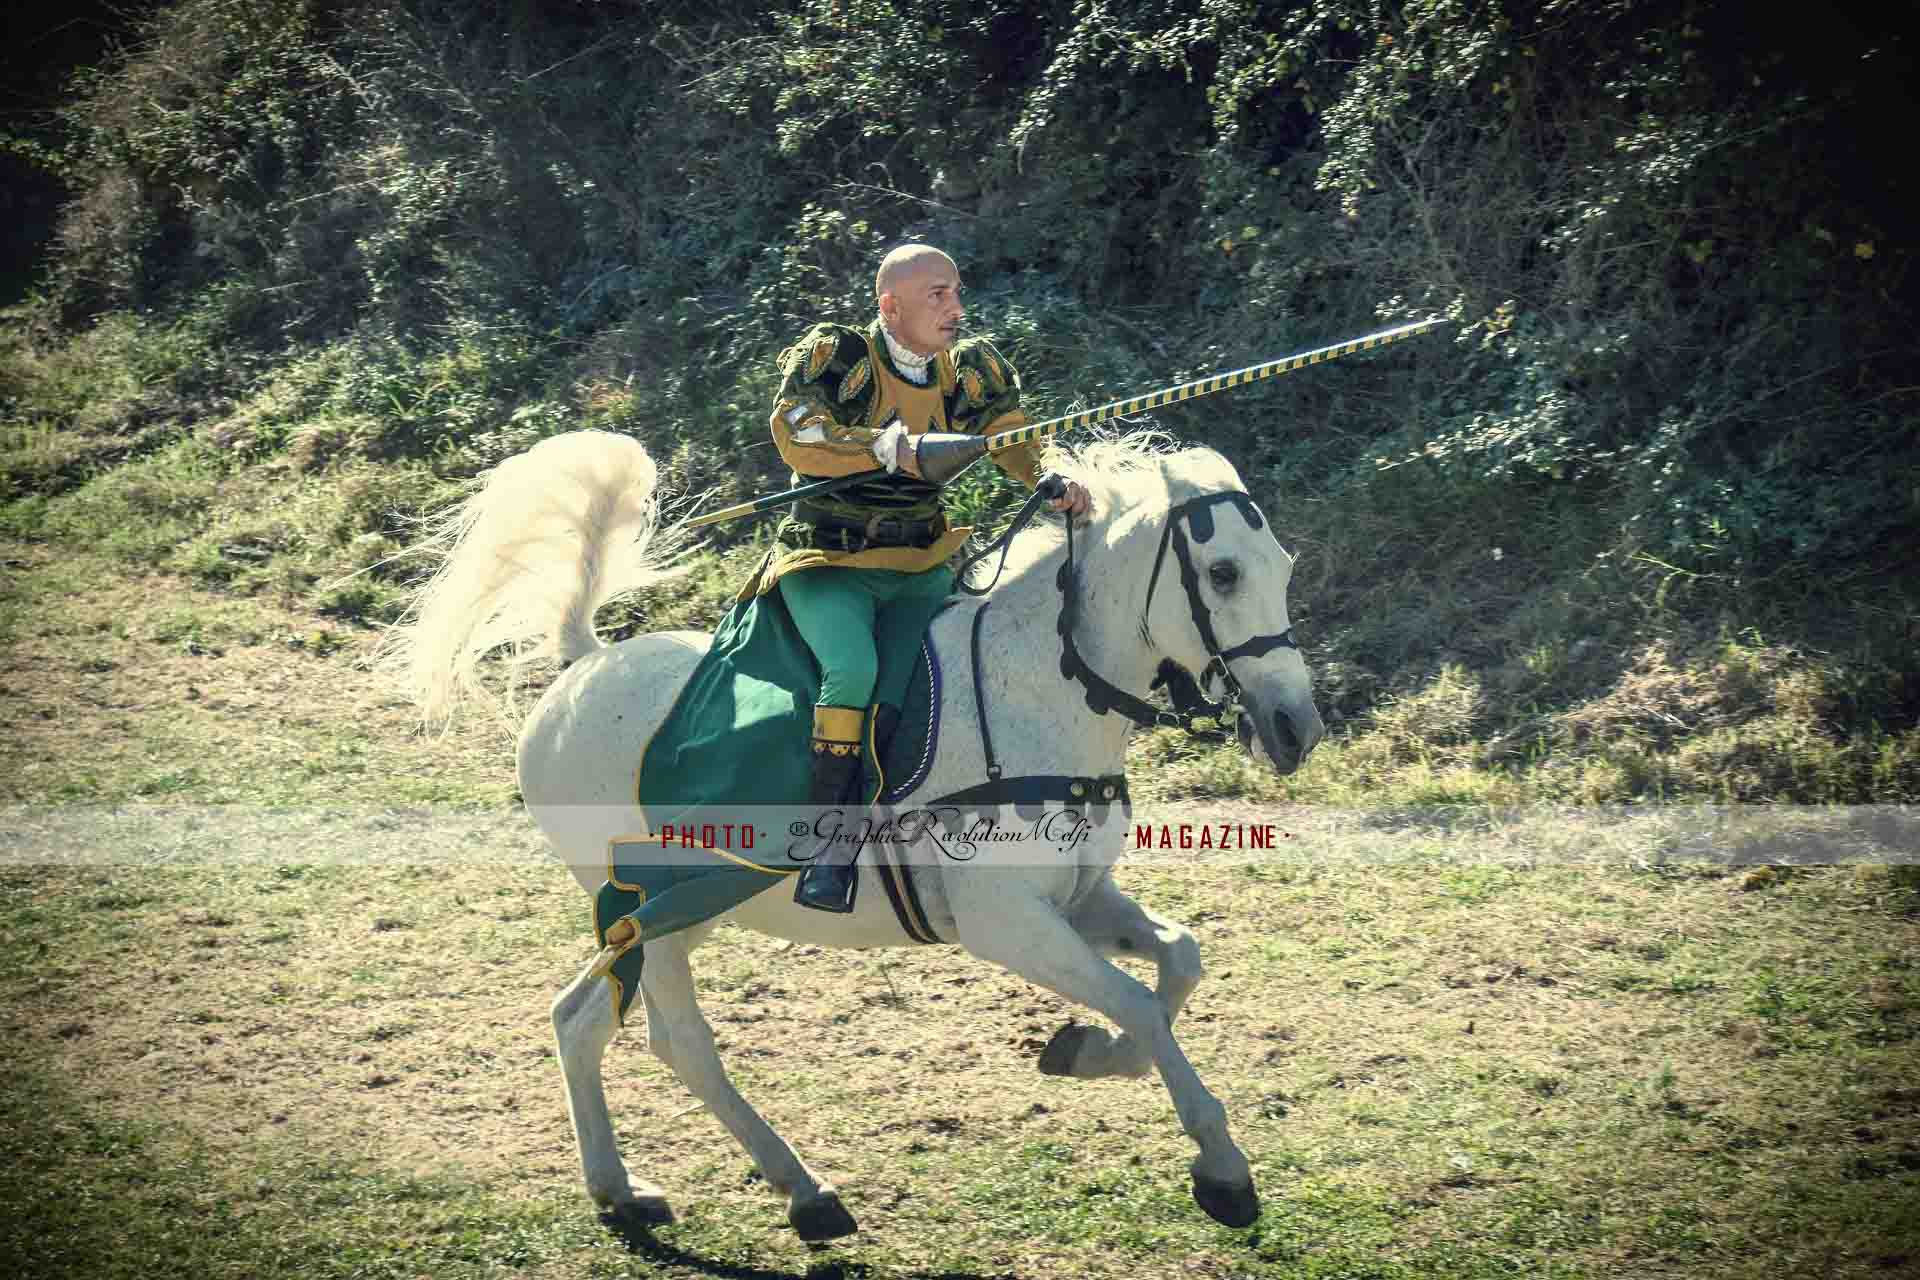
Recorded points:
(524,562)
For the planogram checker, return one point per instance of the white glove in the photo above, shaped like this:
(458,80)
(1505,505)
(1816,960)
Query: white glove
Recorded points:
(886,448)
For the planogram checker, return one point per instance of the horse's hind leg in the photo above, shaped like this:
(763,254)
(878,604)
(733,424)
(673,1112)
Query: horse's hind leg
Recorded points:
(583,1025)
(813,1207)
(1115,925)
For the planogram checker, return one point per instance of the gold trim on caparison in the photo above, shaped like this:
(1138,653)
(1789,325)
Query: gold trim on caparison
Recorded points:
(610,953)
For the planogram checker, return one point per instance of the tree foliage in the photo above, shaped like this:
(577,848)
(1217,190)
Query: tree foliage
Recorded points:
(1681,275)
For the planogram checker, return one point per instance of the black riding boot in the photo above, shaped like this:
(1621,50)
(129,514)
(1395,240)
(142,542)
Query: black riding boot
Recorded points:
(829,881)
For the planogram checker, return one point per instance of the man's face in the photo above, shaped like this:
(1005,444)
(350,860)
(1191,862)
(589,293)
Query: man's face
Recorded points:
(924,310)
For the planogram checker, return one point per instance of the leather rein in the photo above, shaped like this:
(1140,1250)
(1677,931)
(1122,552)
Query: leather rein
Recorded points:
(1184,689)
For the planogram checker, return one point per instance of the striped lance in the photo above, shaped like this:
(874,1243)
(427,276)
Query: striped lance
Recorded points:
(944,455)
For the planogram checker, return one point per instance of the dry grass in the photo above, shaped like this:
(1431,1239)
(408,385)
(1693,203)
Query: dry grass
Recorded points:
(146,686)
(1467,1050)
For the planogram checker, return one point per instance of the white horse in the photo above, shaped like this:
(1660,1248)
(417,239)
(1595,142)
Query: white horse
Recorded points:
(557,531)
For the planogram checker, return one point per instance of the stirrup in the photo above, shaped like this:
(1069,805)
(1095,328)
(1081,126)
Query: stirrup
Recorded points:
(828,886)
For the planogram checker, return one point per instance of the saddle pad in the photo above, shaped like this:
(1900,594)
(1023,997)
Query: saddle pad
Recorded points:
(737,735)
(735,744)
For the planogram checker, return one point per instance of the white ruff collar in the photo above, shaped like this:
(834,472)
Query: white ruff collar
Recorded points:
(912,367)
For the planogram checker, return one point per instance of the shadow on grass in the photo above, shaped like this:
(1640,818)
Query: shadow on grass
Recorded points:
(639,1240)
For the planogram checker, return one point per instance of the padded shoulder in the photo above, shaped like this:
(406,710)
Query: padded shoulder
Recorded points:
(826,350)
(987,387)
(984,358)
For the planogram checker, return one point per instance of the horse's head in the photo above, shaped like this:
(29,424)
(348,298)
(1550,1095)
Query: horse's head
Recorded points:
(1217,597)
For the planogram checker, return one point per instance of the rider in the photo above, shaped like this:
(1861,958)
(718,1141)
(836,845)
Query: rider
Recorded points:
(856,400)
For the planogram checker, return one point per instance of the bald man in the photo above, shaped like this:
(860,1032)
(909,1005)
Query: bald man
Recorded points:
(855,400)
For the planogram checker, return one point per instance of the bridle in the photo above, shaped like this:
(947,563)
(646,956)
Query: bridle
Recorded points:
(1097,799)
(1190,702)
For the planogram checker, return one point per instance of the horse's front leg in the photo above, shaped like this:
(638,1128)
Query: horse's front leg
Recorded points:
(813,1207)
(1115,925)
(1031,938)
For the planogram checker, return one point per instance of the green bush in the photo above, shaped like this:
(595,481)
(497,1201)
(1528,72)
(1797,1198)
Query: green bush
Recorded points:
(374,246)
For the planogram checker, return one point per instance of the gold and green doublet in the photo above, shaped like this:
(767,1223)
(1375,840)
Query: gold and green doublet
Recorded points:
(839,392)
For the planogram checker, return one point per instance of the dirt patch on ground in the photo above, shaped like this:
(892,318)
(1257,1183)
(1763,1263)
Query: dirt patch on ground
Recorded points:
(148,687)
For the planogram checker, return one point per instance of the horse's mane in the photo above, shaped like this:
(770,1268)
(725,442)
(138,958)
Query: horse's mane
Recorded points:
(1121,472)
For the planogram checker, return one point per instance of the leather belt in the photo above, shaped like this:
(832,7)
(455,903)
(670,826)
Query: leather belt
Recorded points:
(828,531)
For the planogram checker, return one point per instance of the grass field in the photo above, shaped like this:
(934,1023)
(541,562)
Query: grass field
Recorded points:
(1485,1055)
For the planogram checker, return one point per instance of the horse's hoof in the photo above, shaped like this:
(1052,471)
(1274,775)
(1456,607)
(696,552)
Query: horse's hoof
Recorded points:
(1057,1058)
(641,1211)
(821,1218)
(1228,1203)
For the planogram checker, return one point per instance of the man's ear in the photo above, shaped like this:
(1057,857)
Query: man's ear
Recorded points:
(889,307)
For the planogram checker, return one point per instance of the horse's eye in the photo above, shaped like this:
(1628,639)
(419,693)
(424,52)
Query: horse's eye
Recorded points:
(1225,573)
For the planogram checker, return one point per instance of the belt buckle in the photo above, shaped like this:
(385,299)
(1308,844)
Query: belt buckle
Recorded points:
(887,530)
